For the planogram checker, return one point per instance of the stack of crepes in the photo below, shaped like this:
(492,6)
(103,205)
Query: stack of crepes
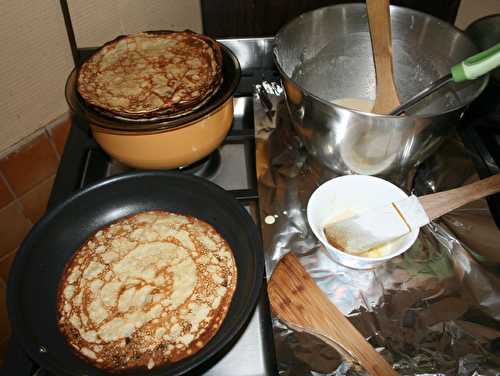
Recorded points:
(152,74)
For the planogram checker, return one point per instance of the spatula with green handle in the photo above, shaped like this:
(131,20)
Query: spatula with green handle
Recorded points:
(469,69)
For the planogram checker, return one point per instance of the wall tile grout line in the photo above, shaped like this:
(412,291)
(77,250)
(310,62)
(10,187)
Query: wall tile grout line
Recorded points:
(52,143)
(36,186)
(4,257)
(24,199)
(7,184)
(16,198)
(21,207)
(47,128)
(21,143)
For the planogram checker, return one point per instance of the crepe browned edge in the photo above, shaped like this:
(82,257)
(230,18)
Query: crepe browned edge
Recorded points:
(160,116)
(214,324)
(179,109)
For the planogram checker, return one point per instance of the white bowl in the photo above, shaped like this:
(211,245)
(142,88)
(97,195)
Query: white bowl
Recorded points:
(346,195)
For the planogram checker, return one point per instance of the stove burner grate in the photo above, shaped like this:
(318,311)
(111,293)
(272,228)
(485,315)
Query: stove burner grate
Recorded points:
(206,167)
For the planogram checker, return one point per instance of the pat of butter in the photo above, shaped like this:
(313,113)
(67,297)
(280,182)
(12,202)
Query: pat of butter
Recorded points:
(379,251)
(368,230)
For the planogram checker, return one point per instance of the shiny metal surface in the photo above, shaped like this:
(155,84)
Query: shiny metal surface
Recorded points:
(435,310)
(245,358)
(252,53)
(326,55)
(436,85)
(485,32)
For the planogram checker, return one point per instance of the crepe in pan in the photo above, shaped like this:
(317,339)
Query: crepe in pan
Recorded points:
(149,289)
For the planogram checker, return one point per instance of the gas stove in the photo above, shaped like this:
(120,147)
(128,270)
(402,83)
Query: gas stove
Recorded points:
(231,166)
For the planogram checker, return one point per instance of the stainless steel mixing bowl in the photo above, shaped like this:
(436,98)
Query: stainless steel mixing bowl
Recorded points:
(326,54)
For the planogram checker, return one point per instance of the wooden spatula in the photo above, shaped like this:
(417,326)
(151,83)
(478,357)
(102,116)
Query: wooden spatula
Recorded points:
(438,204)
(377,226)
(296,299)
(380,32)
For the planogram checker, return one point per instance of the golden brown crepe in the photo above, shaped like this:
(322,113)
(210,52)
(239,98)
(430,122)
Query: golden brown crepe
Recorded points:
(149,289)
(152,74)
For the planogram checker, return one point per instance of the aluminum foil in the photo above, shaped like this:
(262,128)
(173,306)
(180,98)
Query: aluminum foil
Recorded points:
(435,310)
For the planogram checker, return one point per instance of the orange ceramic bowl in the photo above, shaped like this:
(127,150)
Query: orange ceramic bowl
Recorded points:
(169,148)
(158,143)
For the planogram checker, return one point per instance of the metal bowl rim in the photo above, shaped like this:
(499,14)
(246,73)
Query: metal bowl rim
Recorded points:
(485,78)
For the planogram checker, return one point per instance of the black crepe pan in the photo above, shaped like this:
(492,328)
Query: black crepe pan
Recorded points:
(39,262)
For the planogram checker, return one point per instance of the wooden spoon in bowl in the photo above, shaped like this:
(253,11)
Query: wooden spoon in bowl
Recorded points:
(386,97)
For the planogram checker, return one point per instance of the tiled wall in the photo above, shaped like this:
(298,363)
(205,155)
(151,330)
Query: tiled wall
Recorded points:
(27,173)
(33,76)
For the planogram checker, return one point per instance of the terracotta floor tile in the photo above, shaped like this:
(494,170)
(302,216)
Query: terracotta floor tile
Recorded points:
(5,264)
(5,195)
(31,164)
(4,320)
(13,228)
(59,135)
(35,201)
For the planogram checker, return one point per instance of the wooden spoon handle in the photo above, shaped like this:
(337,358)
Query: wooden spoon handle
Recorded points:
(438,204)
(295,298)
(380,32)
